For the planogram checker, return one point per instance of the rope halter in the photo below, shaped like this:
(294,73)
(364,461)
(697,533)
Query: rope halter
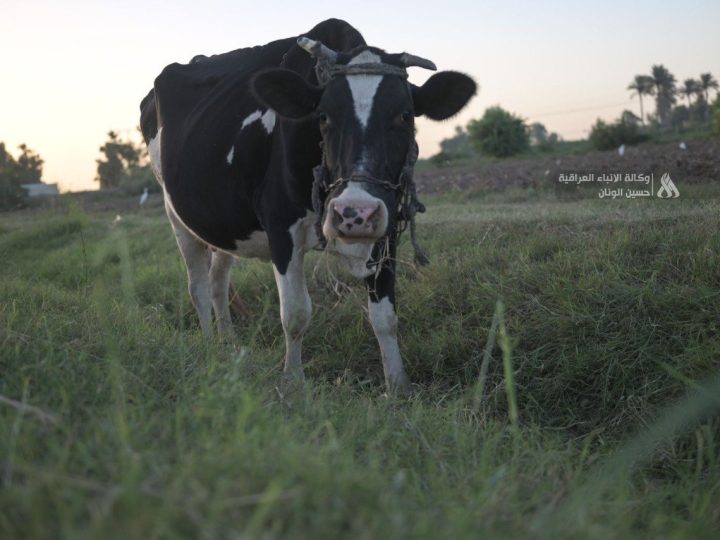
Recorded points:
(326,68)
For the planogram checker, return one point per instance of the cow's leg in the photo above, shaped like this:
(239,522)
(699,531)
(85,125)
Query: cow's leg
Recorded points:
(197,257)
(381,311)
(220,267)
(295,309)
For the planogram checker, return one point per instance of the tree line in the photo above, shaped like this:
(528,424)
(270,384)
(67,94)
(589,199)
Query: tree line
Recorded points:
(499,133)
(663,86)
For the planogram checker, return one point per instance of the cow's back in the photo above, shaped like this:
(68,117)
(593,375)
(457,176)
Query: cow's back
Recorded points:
(195,121)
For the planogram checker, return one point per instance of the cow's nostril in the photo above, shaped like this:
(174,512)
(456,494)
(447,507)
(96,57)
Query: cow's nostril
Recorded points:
(349,212)
(356,218)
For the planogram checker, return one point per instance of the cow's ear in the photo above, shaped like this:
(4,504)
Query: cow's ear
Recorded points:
(285,92)
(443,95)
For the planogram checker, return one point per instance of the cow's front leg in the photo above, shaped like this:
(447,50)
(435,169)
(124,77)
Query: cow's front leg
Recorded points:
(381,311)
(295,310)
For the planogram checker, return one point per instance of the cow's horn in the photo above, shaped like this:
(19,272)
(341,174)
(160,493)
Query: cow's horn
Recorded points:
(317,49)
(408,60)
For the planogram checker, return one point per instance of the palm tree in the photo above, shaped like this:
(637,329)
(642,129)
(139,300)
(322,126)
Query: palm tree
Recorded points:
(689,88)
(664,83)
(707,81)
(642,85)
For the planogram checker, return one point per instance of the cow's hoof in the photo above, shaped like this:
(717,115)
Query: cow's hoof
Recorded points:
(294,373)
(228,337)
(399,386)
(292,384)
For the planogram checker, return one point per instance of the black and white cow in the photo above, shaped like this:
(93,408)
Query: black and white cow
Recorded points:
(264,151)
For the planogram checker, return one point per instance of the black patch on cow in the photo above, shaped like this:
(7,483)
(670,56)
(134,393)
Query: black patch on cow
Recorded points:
(349,212)
(358,221)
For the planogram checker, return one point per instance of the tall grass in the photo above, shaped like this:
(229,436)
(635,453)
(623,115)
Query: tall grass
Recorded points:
(582,404)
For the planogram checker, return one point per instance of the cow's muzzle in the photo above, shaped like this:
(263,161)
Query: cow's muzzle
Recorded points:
(355,215)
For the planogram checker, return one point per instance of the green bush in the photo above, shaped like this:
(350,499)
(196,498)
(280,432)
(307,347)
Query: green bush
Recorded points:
(137,178)
(716,116)
(604,136)
(499,133)
(11,194)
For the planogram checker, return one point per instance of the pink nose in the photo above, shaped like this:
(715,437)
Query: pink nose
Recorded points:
(356,220)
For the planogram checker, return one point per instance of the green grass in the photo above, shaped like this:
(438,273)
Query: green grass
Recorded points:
(565,356)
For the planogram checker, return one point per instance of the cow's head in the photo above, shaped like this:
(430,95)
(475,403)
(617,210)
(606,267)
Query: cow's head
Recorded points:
(366,111)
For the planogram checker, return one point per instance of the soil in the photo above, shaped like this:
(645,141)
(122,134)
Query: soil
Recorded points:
(698,163)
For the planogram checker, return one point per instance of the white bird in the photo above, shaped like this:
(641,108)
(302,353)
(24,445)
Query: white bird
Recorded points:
(143,197)
(621,150)
(118,219)
(682,145)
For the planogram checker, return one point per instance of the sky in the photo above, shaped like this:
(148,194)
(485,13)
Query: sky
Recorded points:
(73,70)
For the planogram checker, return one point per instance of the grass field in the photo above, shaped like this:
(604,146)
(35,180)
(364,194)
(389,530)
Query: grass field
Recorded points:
(565,354)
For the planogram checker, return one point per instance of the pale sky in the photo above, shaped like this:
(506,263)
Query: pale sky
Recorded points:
(73,70)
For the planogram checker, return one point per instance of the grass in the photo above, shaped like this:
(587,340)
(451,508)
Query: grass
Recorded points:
(565,354)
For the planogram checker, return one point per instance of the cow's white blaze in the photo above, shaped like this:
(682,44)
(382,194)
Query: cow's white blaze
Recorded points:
(364,87)
(154,153)
(384,322)
(267,119)
(230,155)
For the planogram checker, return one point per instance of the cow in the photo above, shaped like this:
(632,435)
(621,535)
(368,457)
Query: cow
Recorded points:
(274,150)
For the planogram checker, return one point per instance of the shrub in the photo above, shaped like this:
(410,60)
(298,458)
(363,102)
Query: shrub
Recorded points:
(716,116)
(137,178)
(11,194)
(499,133)
(604,136)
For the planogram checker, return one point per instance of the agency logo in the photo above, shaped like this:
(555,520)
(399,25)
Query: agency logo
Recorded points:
(668,189)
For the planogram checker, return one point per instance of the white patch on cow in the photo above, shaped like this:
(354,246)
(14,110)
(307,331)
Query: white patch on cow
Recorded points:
(295,304)
(353,256)
(252,117)
(268,121)
(364,87)
(230,155)
(154,153)
(384,322)
(256,246)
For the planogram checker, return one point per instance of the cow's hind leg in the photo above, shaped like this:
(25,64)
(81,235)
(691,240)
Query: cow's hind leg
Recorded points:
(197,257)
(220,287)
(295,310)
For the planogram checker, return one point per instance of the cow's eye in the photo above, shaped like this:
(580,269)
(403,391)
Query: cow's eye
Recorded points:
(323,118)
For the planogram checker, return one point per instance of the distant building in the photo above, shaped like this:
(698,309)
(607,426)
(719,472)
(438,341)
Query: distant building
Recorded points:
(40,190)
